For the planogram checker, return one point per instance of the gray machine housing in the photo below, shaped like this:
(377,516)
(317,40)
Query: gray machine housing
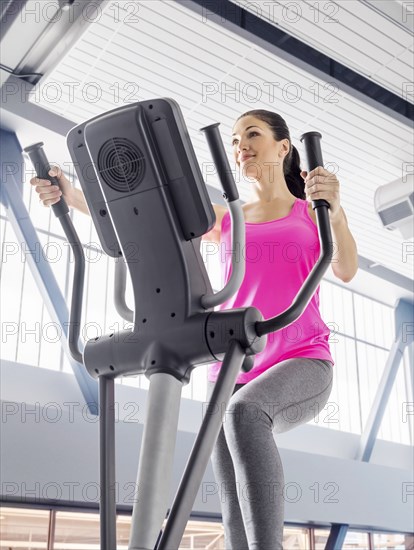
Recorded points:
(153,149)
(146,194)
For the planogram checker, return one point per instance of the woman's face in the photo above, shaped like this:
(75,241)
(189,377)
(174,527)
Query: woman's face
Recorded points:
(255,150)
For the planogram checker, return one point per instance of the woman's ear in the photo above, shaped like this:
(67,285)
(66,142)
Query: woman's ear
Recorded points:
(284,150)
(288,146)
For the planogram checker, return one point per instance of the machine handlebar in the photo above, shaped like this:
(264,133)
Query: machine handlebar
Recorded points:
(61,210)
(313,151)
(42,167)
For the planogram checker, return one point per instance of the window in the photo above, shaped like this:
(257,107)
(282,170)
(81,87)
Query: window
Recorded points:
(296,538)
(353,539)
(31,529)
(24,529)
(76,528)
(389,540)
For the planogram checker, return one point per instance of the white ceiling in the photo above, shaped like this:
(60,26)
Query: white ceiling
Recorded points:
(166,50)
(371,37)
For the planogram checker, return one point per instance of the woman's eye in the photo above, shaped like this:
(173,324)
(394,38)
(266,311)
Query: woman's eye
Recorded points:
(250,135)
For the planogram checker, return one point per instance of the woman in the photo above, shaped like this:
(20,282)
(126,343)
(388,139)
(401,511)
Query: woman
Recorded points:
(291,379)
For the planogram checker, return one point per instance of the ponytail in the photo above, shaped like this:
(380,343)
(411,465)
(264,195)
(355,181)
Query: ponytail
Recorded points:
(292,172)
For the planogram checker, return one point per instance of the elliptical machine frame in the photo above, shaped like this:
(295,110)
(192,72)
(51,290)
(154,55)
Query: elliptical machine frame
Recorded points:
(145,192)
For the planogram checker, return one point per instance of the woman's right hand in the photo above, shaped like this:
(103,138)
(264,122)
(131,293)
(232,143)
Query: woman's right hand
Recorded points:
(50,194)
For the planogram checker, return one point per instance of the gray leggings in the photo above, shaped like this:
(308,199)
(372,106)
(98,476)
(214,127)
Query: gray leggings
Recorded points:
(245,459)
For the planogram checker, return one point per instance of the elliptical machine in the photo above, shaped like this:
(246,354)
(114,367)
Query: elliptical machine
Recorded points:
(150,207)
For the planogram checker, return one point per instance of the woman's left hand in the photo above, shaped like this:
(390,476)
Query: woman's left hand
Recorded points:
(321,184)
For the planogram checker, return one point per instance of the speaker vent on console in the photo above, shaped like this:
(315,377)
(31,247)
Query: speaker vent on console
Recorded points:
(121,164)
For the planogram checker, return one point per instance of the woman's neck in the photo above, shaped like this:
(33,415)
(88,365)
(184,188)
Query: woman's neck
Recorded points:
(268,192)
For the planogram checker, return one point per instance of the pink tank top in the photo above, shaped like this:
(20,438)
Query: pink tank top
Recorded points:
(279,255)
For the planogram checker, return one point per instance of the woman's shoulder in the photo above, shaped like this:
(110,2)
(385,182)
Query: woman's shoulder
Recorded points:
(311,212)
(307,207)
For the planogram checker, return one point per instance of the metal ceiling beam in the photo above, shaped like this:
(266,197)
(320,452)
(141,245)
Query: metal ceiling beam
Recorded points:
(9,11)
(36,35)
(233,17)
(18,107)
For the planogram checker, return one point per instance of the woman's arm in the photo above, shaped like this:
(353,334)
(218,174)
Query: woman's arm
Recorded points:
(215,233)
(321,184)
(345,258)
(77,200)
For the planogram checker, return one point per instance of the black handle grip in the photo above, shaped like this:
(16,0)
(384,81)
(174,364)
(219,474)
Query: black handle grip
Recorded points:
(42,167)
(218,153)
(302,299)
(312,143)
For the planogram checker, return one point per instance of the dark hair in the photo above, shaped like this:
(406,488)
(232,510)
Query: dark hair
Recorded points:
(291,164)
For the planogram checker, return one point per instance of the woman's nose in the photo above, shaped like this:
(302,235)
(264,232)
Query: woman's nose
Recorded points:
(243,146)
